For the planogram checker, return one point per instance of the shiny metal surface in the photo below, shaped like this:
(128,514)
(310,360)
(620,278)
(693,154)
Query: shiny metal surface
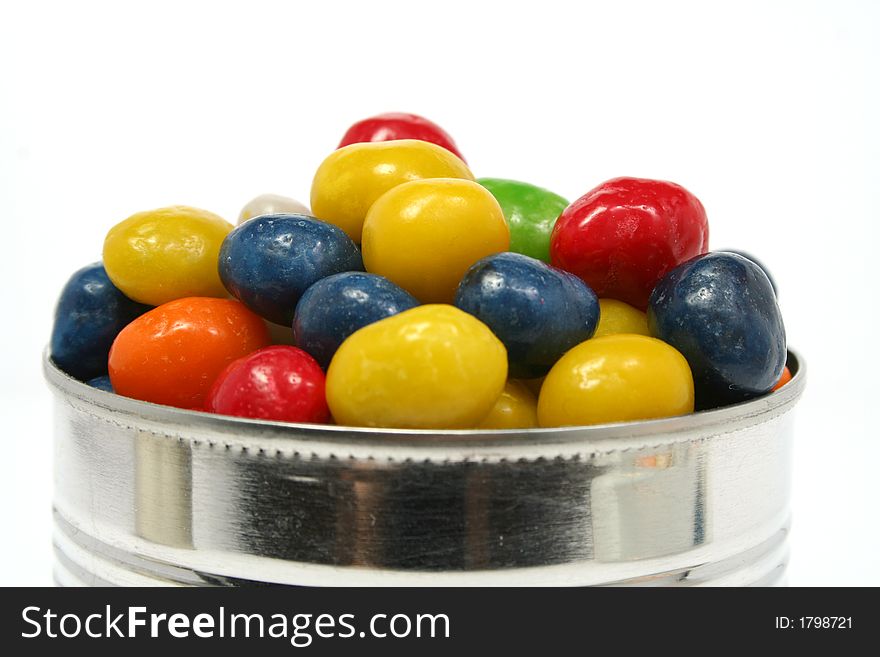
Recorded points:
(147,494)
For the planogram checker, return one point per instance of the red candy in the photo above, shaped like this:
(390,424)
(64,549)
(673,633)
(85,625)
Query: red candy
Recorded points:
(397,125)
(275,383)
(625,234)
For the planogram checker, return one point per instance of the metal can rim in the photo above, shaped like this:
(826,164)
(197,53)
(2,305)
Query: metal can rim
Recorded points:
(366,442)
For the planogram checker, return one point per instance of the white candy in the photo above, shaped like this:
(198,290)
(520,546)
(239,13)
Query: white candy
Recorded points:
(271,204)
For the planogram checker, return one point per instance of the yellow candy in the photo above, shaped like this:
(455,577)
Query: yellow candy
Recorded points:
(619,317)
(431,367)
(166,254)
(424,235)
(350,180)
(516,408)
(617,378)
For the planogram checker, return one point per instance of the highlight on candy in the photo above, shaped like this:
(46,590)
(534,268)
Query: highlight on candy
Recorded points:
(410,294)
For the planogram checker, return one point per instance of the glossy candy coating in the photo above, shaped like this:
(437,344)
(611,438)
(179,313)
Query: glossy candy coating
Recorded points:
(271,204)
(516,408)
(531,213)
(618,378)
(538,312)
(274,383)
(424,235)
(760,264)
(720,312)
(430,367)
(101,383)
(166,254)
(90,313)
(268,262)
(172,354)
(619,317)
(337,306)
(622,236)
(398,125)
(350,180)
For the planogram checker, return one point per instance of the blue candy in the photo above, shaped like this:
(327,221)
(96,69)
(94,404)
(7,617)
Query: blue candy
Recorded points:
(268,262)
(90,313)
(537,311)
(101,383)
(337,306)
(760,264)
(719,310)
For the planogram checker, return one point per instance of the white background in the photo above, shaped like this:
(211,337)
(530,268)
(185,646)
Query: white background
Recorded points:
(767,111)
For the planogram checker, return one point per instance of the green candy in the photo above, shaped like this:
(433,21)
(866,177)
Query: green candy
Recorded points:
(531,213)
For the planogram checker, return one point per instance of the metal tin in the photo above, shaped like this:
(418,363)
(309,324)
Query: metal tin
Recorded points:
(152,495)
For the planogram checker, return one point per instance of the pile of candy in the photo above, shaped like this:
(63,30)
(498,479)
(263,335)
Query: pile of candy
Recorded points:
(413,295)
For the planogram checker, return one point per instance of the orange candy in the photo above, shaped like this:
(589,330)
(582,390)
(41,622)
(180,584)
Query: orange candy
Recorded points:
(172,354)
(785,378)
